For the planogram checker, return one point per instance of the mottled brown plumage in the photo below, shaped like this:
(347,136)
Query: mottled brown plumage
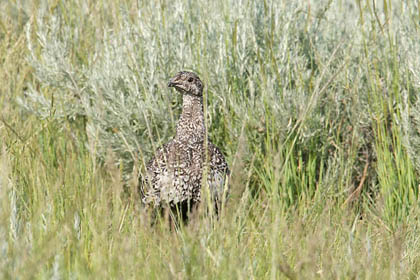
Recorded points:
(175,173)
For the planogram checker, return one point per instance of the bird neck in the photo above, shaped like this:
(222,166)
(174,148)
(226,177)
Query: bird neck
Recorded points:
(191,127)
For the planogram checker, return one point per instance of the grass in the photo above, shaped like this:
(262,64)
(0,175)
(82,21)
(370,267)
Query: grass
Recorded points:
(314,103)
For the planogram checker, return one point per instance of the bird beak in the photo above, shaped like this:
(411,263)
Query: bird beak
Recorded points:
(172,82)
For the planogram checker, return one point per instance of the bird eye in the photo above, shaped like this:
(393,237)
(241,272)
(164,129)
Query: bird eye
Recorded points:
(190,80)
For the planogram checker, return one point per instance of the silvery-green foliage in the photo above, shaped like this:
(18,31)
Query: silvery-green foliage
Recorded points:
(299,68)
(408,38)
(410,105)
(54,69)
(119,92)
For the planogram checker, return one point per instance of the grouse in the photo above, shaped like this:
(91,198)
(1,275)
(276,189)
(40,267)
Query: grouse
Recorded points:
(174,176)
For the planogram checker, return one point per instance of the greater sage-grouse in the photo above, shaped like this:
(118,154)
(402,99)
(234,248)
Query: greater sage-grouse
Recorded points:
(175,174)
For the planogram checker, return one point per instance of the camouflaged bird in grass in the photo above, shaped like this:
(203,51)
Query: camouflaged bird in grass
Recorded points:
(175,174)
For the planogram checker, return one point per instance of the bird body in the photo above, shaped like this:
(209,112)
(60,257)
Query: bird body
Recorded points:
(175,173)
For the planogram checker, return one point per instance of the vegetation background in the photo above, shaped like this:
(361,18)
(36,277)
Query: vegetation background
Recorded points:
(314,103)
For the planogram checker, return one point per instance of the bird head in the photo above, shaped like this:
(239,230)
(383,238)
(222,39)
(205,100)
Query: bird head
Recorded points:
(187,83)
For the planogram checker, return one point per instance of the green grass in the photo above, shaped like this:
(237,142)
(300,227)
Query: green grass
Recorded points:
(314,103)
